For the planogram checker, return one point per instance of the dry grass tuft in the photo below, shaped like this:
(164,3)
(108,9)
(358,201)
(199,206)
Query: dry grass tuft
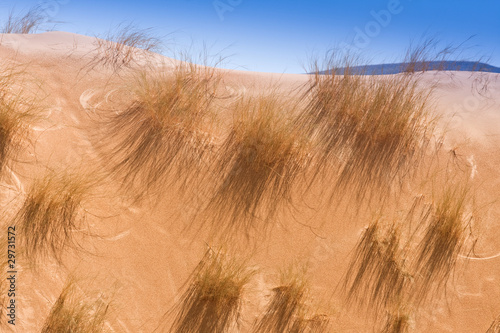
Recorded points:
(281,312)
(390,273)
(373,130)
(397,323)
(212,302)
(163,130)
(124,47)
(417,57)
(314,324)
(50,215)
(72,314)
(378,278)
(10,123)
(15,114)
(444,239)
(285,312)
(26,24)
(258,163)
(427,54)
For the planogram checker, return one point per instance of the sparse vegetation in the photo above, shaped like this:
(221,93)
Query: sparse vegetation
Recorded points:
(281,313)
(443,241)
(26,24)
(391,274)
(287,310)
(50,215)
(428,54)
(164,129)
(212,301)
(417,57)
(15,115)
(397,323)
(378,277)
(72,313)
(369,133)
(123,47)
(373,130)
(314,324)
(258,163)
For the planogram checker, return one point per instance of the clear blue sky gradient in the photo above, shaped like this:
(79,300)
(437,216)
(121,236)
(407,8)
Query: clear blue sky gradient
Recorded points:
(281,36)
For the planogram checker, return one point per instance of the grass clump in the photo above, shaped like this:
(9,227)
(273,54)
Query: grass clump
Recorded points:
(163,129)
(287,310)
(392,274)
(15,115)
(123,47)
(399,322)
(373,130)
(26,24)
(314,324)
(258,163)
(50,215)
(10,124)
(212,301)
(281,313)
(444,239)
(378,278)
(72,314)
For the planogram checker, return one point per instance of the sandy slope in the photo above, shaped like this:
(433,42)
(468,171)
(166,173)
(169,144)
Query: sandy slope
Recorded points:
(144,254)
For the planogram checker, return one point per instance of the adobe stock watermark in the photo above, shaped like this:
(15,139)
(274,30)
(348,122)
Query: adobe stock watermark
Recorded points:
(373,28)
(473,103)
(322,252)
(50,8)
(223,6)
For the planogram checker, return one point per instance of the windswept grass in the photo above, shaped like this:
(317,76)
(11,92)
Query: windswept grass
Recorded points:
(399,266)
(285,312)
(258,163)
(378,277)
(429,54)
(444,239)
(50,215)
(314,324)
(373,130)
(10,123)
(15,114)
(212,301)
(72,313)
(399,322)
(123,47)
(164,129)
(283,309)
(26,24)
(417,57)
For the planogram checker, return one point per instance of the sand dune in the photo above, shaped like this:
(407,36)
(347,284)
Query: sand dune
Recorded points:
(139,254)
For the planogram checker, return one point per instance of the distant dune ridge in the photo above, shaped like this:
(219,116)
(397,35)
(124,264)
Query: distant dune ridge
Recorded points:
(400,67)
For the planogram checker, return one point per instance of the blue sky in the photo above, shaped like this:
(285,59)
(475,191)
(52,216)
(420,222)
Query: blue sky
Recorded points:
(281,36)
